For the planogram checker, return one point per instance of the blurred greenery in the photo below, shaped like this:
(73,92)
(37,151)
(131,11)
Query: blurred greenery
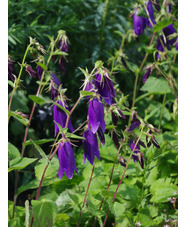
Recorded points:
(95,29)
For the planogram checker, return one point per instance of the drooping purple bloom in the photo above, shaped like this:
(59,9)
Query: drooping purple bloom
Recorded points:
(146,75)
(132,144)
(160,45)
(54,86)
(96,115)
(30,71)
(10,70)
(154,141)
(115,139)
(89,87)
(121,114)
(168,31)
(90,146)
(39,71)
(60,117)
(64,45)
(151,14)
(139,24)
(66,160)
(133,126)
(105,88)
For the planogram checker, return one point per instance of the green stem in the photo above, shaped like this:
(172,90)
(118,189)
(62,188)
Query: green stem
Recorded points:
(19,76)
(137,77)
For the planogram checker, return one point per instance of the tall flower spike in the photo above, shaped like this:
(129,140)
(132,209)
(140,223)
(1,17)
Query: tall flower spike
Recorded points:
(60,117)
(96,115)
(90,146)
(66,160)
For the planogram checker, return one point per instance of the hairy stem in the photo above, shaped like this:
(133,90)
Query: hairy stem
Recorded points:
(113,199)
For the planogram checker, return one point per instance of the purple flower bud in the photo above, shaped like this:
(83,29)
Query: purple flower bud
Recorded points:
(96,115)
(136,150)
(39,72)
(133,126)
(148,142)
(151,14)
(115,139)
(63,46)
(159,45)
(114,119)
(90,146)
(142,143)
(122,161)
(54,86)
(134,116)
(101,136)
(121,114)
(60,117)
(30,71)
(124,62)
(139,24)
(154,141)
(10,70)
(140,158)
(105,88)
(66,160)
(146,75)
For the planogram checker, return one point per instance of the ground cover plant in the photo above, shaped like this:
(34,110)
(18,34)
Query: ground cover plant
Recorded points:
(93,113)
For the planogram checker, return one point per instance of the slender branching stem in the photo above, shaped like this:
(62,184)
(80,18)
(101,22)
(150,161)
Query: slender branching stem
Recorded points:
(113,199)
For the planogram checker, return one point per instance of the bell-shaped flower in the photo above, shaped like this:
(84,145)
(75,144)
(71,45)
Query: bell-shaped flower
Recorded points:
(139,24)
(66,160)
(169,30)
(96,115)
(90,146)
(39,71)
(60,117)
(135,149)
(105,88)
(134,125)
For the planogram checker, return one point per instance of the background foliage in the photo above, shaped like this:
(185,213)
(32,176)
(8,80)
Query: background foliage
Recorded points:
(95,29)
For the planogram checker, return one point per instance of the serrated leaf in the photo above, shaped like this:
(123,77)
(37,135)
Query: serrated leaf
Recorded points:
(162,24)
(51,171)
(18,117)
(42,141)
(13,152)
(44,212)
(39,149)
(20,163)
(156,86)
(44,67)
(86,93)
(36,99)
(62,108)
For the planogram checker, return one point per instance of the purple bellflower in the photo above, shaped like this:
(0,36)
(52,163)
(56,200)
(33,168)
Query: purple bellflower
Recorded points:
(60,117)
(90,146)
(139,24)
(101,135)
(66,160)
(63,47)
(39,72)
(30,71)
(134,125)
(169,30)
(96,115)
(105,88)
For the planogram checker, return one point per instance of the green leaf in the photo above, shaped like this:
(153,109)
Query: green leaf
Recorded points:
(71,135)
(13,152)
(84,72)
(36,99)
(42,141)
(61,219)
(44,67)
(60,53)
(62,108)
(156,86)
(18,117)
(11,83)
(20,163)
(44,212)
(51,171)
(42,153)
(86,93)
(162,24)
